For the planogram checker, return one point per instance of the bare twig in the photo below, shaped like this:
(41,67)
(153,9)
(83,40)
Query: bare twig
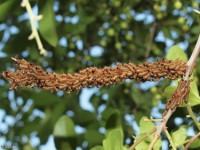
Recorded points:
(170,139)
(191,141)
(34,33)
(152,33)
(191,62)
(192,115)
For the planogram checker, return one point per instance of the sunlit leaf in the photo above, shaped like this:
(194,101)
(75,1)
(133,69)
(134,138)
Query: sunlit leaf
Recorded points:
(175,52)
(114,140)
(145,126)
(64,127)
(179,136)
(97,148)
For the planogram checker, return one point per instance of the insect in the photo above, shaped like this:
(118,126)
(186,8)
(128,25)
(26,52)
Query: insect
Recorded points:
(130,67)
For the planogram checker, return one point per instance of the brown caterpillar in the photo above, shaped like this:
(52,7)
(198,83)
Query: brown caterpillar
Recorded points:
(34,76)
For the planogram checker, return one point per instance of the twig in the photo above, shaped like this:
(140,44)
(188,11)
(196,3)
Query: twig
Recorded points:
(191,62)
(170,139)
(156,137)
(153,120)
(152,33)
(183,143)
(34,33)
(191,141)
(189,109)
(190,65)
(142,138)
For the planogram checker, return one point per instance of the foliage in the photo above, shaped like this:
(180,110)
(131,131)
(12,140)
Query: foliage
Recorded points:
(84,33)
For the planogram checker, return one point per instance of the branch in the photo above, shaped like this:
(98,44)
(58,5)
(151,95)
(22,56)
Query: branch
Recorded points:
(152,33)
(34,33)
(192,115)
(191,62)
(170,139)
(191,141)
(34,76)
(176,95)
(142,138)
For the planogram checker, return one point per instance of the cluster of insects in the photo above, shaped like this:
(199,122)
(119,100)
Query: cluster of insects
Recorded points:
(181,94)
(34,76)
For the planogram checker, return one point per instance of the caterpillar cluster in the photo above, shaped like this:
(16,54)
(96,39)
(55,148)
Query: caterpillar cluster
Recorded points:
(34,76)
(181,94)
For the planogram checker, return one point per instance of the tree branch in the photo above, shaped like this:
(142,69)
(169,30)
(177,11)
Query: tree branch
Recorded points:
(192,115)
(191,141)
(142,138)
(34,33)
(190,65)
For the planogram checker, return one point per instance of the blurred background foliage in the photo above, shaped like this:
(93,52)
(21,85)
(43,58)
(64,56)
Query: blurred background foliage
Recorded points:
(83,33)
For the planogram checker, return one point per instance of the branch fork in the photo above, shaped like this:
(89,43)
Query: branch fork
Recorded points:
(33,19)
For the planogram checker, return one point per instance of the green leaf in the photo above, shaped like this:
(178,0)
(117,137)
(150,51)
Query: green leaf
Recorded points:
(44,98)
(108,112)
(6,7)
(47,25)
(179,136)
(114,141)
(195,144)
(169,91)
(145,126)
(64,127)
(194,97)
(84,117)
(142,145)
(113,122)
(97,148)
(176,52)
(89,137)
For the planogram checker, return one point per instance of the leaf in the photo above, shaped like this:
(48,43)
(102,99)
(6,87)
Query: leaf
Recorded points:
(6,8)
(89,137)
(64,127)
(179,136)
(114,141)
(176,52)
(169,91)
(113,122)
(47,25)
(97,148)
(195,144)
(145,126)
(84,117)
(194,97)
(44,98)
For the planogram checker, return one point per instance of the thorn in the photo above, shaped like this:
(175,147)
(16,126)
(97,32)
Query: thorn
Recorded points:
(43,51)
(134,137)
(23,4)
(31,36)
(39,17)
(13,58)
